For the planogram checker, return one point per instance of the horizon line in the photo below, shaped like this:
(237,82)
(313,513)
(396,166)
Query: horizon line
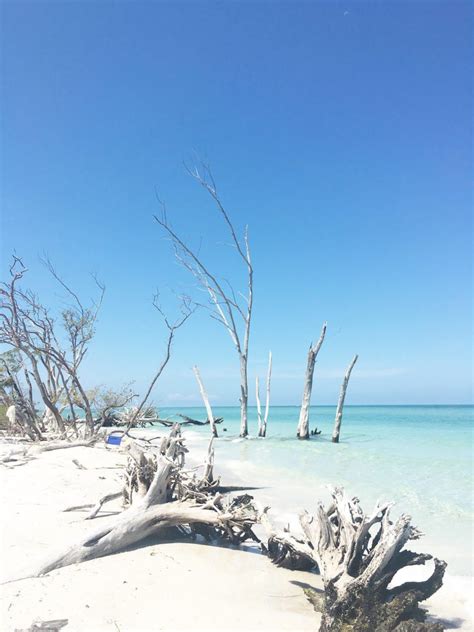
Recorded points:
(311,405)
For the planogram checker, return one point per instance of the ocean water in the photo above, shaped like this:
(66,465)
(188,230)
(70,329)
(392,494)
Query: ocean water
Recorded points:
(420,457)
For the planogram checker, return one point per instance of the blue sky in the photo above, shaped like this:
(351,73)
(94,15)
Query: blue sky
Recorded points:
(340,132)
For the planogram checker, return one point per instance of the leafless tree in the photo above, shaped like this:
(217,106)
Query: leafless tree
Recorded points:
(27,325)
(233,311)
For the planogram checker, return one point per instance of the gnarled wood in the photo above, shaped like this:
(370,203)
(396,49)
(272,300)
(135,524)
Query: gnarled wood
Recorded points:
(358,556)
(161,494)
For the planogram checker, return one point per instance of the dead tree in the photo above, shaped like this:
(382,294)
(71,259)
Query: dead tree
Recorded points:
(226,307)
(303,423)
(27,326)
(358,556)
(262,424)
(205,399)
(160,494)
(340,403)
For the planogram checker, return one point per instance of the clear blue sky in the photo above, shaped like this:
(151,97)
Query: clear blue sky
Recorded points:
(340,132)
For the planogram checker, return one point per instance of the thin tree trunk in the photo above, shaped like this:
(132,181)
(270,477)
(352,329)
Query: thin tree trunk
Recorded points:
(44,395)
(303,423)
(205,399)
(340,403)
(259,408)
(243,397)
(262,425)
(267,400)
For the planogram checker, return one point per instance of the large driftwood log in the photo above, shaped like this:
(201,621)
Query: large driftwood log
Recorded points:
(205,399)
(340,404)
(161,494)
(303,423)
(358,557)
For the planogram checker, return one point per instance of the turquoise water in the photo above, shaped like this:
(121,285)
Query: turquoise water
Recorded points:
(421,457)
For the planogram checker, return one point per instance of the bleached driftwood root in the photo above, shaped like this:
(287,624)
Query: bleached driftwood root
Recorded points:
(161,494)
(284,549)
(358,557)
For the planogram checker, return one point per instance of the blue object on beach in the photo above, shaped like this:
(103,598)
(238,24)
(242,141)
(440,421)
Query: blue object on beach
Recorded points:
(114,440)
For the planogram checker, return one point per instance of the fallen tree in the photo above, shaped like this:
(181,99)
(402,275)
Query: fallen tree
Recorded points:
(159,494)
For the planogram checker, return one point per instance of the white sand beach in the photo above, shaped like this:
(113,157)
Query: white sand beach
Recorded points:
(158,586)
(161,586)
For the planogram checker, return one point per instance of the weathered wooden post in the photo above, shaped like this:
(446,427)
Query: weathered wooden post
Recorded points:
(340,403)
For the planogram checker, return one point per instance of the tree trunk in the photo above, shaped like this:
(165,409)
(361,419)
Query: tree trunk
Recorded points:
(259,408)
(340,403)
(205,399)
(243,397)
(44,395)
(262,425)
(303,423)
(267,400)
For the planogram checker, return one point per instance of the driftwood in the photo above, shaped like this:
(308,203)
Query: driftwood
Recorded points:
(284,549)
(340,404)
(205,399)
(358,556)
(303,423)
(160,494)
(189,421)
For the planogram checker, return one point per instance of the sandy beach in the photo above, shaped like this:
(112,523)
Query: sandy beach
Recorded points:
(158,586)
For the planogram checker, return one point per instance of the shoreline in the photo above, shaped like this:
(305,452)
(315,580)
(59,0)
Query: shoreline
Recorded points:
(453,604)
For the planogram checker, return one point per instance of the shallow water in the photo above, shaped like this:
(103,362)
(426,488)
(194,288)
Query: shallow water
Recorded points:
(421,457)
